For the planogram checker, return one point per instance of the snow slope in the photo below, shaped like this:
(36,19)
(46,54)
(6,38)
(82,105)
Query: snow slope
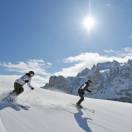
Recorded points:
(54,112)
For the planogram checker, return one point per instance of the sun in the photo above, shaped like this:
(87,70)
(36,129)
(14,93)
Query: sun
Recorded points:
(89,23)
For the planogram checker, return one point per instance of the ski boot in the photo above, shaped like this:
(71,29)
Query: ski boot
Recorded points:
(79,106)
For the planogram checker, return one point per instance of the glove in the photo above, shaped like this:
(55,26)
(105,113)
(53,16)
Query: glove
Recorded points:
(32,88)
(89,91)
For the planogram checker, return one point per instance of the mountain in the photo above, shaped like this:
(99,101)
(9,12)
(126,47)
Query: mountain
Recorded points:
(52,111)
(111,80)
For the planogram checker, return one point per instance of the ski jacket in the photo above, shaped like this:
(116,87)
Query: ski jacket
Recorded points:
(84,87)
(23,80)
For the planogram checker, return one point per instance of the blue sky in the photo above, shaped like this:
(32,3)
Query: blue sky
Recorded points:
(52,31)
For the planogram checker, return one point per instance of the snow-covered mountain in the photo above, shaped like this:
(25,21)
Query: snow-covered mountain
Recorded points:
(111,80)
(54,112)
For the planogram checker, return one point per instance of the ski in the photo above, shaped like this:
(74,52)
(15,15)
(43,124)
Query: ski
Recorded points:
(25,107)
(84,108)
(89,110)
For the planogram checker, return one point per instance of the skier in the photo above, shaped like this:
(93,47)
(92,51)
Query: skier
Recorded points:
(81,92)
(19,83)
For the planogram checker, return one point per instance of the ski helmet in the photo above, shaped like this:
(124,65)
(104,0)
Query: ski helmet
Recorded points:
(89,81)
(31,73)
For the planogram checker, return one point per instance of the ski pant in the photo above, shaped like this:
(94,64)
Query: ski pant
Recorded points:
(18,89)
(81,95)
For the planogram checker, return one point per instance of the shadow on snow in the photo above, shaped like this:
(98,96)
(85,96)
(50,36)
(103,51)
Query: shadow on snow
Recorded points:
(15,106)
(82,121)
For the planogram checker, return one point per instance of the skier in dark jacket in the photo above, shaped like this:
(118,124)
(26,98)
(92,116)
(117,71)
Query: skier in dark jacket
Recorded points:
(81,92)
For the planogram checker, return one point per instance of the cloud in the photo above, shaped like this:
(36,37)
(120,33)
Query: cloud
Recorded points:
(109,51)
(127,51)
(87,59)
(78,63)
(37,65)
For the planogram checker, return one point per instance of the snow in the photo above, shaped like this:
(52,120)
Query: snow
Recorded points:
(54,112)
(111,80)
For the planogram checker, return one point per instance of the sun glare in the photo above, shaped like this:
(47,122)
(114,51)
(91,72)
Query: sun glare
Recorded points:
(89,23)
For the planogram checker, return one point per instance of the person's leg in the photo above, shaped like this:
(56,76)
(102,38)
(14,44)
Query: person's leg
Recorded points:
(18,89)
(80,100)
(81,95)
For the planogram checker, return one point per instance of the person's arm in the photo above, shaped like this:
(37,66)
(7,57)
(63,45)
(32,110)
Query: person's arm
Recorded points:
(88,90)
(81,86)
(29,85)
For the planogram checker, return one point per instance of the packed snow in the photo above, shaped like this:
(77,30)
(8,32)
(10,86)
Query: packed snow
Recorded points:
(49,111)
